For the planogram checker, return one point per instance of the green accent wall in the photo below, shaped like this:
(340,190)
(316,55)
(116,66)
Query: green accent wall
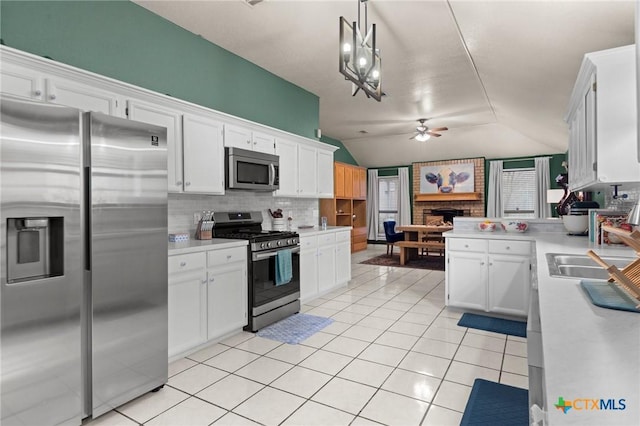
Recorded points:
(342,155)
(124,41)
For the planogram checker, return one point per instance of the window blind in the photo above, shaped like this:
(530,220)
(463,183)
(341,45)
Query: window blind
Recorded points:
(519,193)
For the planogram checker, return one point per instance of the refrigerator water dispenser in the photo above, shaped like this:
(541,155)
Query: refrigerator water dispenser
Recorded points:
(34,248)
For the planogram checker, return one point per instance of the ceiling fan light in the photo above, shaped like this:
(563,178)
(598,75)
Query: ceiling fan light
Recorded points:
(423,137)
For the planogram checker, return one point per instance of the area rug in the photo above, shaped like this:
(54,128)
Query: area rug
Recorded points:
(497,325)
(435,263)
(496,404)
(295,328)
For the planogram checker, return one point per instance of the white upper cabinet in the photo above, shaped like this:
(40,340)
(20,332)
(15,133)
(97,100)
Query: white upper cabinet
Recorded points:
(603,121)
(172,120)
(289,168)
(26,83)
(305,171)
(245,138)
(325,173)
(196,136)
(308,176)
(203,153)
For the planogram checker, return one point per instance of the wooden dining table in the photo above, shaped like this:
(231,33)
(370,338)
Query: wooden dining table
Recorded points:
(417,232)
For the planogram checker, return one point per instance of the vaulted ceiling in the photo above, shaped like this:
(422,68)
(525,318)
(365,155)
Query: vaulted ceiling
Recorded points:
(498,74)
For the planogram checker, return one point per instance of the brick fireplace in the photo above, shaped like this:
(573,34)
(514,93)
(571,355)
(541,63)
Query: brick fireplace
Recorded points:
(458,204)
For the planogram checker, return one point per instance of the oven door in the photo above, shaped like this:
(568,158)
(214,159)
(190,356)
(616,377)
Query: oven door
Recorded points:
(265,295)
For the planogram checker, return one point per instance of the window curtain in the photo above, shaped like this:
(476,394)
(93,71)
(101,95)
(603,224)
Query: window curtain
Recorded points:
(542,209)
(494,198)
(404,201)
(372,204)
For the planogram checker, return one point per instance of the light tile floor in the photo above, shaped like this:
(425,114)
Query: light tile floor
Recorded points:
(394,356)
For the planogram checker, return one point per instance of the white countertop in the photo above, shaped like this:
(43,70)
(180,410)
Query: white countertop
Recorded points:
(307,232)
(193,246)
(589,352)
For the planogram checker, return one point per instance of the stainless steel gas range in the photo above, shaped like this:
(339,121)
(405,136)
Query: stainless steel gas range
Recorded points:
(269,300)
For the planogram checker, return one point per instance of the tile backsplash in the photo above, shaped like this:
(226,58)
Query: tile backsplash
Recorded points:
(304,211)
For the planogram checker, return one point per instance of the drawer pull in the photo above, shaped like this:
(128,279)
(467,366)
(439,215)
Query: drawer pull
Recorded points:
(466,246)
(205,281)
(508,248)
(37,93)
(481,263)
(183,263)
(228,256)
(211,280)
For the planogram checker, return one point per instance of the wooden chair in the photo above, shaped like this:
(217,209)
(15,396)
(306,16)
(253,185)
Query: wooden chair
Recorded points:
(432,220)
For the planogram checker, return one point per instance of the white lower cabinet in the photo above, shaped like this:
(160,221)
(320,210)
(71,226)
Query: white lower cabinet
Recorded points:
(187,302)
(325,262)
(343,257)
(488,275)
(207,296)
(308,268)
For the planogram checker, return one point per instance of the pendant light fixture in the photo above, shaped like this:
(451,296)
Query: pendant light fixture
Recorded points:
(360,60)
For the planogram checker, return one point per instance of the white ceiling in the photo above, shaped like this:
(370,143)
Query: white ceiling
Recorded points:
(497,73)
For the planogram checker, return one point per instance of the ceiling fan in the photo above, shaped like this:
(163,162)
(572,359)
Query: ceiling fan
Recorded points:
(424,133)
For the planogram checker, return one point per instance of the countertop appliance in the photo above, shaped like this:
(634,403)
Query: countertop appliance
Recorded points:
(83,282)
(267,302)
(251,170)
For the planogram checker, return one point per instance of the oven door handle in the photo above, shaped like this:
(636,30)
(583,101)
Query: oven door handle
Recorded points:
(262,256)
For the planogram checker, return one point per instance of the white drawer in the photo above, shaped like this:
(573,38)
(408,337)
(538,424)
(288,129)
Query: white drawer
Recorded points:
(226,256)
(186,262)
(510,247)
(308,242)
(326,238)
(461,244)
(343,236)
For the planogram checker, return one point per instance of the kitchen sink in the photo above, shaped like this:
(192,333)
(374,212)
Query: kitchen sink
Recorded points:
(580,266)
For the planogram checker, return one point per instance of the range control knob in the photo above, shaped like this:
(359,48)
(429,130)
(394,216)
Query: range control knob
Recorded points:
(261,245)
(279,243)
(268,245)
(288,242)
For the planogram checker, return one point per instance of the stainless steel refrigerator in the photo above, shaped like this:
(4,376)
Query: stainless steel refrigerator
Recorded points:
(83,275)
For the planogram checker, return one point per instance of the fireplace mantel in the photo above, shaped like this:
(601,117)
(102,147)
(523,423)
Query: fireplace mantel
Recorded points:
(452,196)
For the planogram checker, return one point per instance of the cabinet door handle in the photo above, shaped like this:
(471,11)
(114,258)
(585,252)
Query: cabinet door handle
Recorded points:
(179,183)
(228,256)
(183,263)
(52,97)
(205,281)
(249,142)
(211,280)
(508,248)
(187,183)
(38,92)
(481,263)
(490,263)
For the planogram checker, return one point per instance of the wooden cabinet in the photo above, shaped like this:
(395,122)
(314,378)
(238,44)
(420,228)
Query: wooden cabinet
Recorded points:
(172,120)
(349,205)
(602,121)
(488,275)
(246,138)
(187,302)
(203,152)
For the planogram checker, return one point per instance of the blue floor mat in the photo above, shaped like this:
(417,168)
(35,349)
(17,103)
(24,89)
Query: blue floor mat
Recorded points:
(295,329)
(496,404)
(497,325)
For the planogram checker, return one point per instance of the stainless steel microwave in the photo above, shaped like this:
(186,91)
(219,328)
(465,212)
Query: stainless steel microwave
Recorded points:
(251,170)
